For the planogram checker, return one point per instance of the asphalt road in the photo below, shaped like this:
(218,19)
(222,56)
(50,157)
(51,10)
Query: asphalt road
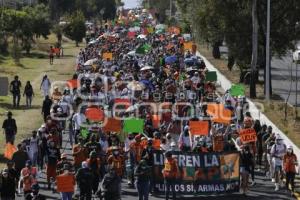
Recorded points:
(284,77)
(263,190)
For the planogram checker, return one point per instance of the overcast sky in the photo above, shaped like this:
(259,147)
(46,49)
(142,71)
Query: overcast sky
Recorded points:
(131,3)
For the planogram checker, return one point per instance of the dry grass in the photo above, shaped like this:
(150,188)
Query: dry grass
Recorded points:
(275,111)
(32,68)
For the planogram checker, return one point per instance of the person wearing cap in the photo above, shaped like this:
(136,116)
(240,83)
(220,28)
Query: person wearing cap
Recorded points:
(84,179)
(63,163)
(278,150)
(14,88)
(65,183)
(143,173)
(170,172)
(116,161)
(289,166)
(93,145)
(28,176)
(34,195)
(10,128)
(79,153)
(7,185)
(94,164)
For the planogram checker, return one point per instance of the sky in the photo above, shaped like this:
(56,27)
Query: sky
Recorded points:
(131,3)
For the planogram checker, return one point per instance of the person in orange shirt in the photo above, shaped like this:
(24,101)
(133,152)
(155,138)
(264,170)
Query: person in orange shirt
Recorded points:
(66,183)
(136,149)
(79,153)
(28,177)
(116,161)
(170,173)
(289,165)
(156,141)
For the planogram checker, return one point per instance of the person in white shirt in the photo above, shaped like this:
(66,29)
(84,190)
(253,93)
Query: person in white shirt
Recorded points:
(278,150)
(33,148)
(78,119)
(185,140)
(195,79)
(45,85)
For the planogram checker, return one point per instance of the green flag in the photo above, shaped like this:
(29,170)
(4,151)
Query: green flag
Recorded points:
(84,132)
(211,76)
(143,49)
(237,90)
(133,125)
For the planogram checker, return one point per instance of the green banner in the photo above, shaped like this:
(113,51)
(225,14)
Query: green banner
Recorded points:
(237,90)
(133,125)
(211,76)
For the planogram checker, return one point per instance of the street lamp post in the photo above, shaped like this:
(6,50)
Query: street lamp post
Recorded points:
(267,81)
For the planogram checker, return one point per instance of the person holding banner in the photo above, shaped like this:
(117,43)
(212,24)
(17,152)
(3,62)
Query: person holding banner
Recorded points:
(170,172)
(65,183)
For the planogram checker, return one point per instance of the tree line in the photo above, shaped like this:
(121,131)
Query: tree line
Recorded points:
(21,24)
(230,21)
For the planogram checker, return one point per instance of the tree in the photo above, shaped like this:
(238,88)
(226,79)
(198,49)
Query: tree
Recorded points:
(229,20)
(254,49)
(76,29)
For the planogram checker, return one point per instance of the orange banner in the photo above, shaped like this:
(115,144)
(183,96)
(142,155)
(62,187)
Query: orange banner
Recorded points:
(248,135)
(219,113)
(65,183)
(188,46)
(107,55)
(199,127)
(112,125)
(9,151)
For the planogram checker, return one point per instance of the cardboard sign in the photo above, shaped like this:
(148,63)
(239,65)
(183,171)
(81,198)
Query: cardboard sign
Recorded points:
(211,76)
(248,135)
(65,183)
(199,127)
(188,46)
(133,125)
(237,90)
(112,125)
(94,114)
(107,55)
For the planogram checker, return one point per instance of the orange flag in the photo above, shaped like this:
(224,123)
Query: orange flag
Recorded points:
(94,114)
(9,150)
(112,125)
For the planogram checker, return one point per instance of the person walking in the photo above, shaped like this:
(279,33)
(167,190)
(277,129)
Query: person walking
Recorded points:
(170,172)
(110,185)
(7,186)
(28,177)
(15,86)
(47,103)
(45,85)
(143,174)
(19,158)
(10,128)
(51,54)
(289,166)
(28,91)
(245,168)
(84,179)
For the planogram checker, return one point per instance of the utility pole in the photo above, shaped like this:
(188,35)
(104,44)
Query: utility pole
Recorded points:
(254,49)
(268,70)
